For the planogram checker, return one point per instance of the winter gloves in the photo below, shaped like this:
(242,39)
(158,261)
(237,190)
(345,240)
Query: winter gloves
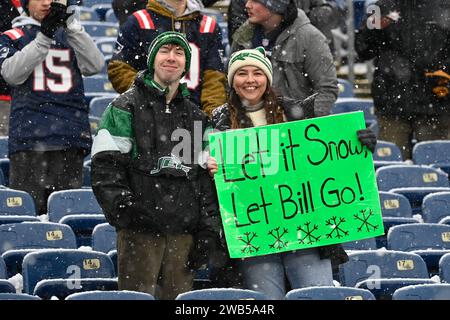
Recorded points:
(367,138)
(54,19)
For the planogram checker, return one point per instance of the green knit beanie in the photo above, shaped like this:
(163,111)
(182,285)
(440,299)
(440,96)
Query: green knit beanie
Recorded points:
(169,37)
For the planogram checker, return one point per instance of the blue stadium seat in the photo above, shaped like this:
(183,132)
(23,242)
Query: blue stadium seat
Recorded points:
(435,207)
(88,14)
(110,295)
(386,153)
(4,167)
(394,205)
(6,287)
(111,17)
(98,86)
(365,244)
(221,294)
(77,208)
(19,239)
(329,293)
(445,220)
(444,268)
(113,256)
(388,223)
(414,182)
(94,122)
(61,272)
(4,147)
(382,272)
(101,29)
(438,291)
(16,206)
(104,238)
(346,89)
(17,296)
(402,176)
(98,105)
(106,45)
(2,269)
(102,8)
(436,153)
(429,240)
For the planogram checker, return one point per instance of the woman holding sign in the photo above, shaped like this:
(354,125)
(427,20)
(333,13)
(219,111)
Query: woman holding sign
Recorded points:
(252,102)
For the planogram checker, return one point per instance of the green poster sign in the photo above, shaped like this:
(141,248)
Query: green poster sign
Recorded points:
(296,185)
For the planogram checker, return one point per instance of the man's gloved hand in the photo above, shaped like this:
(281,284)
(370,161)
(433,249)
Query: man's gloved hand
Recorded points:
(367,138)
(54,19)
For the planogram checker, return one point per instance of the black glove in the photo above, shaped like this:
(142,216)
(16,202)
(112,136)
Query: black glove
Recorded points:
(367,138)
(55,19)
(207,251)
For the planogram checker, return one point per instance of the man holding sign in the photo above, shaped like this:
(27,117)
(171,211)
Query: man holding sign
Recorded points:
(273,193)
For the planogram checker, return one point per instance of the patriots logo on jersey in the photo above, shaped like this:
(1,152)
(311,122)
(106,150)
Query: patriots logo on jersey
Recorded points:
(4,52)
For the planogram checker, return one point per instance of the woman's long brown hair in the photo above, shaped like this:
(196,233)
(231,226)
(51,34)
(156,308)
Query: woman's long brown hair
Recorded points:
(272,105)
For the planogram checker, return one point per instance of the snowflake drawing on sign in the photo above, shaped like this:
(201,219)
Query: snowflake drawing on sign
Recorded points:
(336,228)
(249,247)
(308,234)
(279,243)
(364,218)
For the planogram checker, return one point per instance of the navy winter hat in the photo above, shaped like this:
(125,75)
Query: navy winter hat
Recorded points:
(277,6)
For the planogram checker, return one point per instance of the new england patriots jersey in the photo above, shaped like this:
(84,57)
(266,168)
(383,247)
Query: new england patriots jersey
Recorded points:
(48,110)
(202,32)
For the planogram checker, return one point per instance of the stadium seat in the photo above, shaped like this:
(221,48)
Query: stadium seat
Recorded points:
(414,182)
(106,45)
(4,167)
(445,220)
(365,244)
(444,268)
(438,291)
(435,153)
(16,206)
(102,8)
(101,29)
(221,294)
(104,238)
(17,296)
(19,239)
(2,269)
(97,86)
(382,271)
(6,287)
(4,147)
(113,256)
(394,205)
(111,17)
(343,105)
(329,293)
(429,240)
(77,208)
(435,207)
(60,272)
(345,89)
(98,105)
(88,14)
(386,153)
(110,295)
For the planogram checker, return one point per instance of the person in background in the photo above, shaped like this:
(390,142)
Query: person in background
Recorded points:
(410,45)
(302,61)
(162,204)
(9,10)
(43,59)
(206,78)
(254,102)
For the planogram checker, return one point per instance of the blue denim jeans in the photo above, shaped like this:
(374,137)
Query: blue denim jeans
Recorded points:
(303,268)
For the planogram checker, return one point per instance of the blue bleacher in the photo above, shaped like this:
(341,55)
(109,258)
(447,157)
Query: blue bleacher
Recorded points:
(110,16)
(221,294)
(88,14)
(19,239)
(98,86)
(110,295)
(445,220)
(60,272)
(435,207)
(346,89)
(17,296)
(343,105)
(444,268)
(438,291)
(104,238)
(16,206)
(98,105)
(329,293)
(4,168)
(3,147)
(77,208)
(6,287)
(101,29)
(365,244)
(2,269)
(394,205)
(382,272)
(386,153)
(435,153)
(106,45)
(429,240)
